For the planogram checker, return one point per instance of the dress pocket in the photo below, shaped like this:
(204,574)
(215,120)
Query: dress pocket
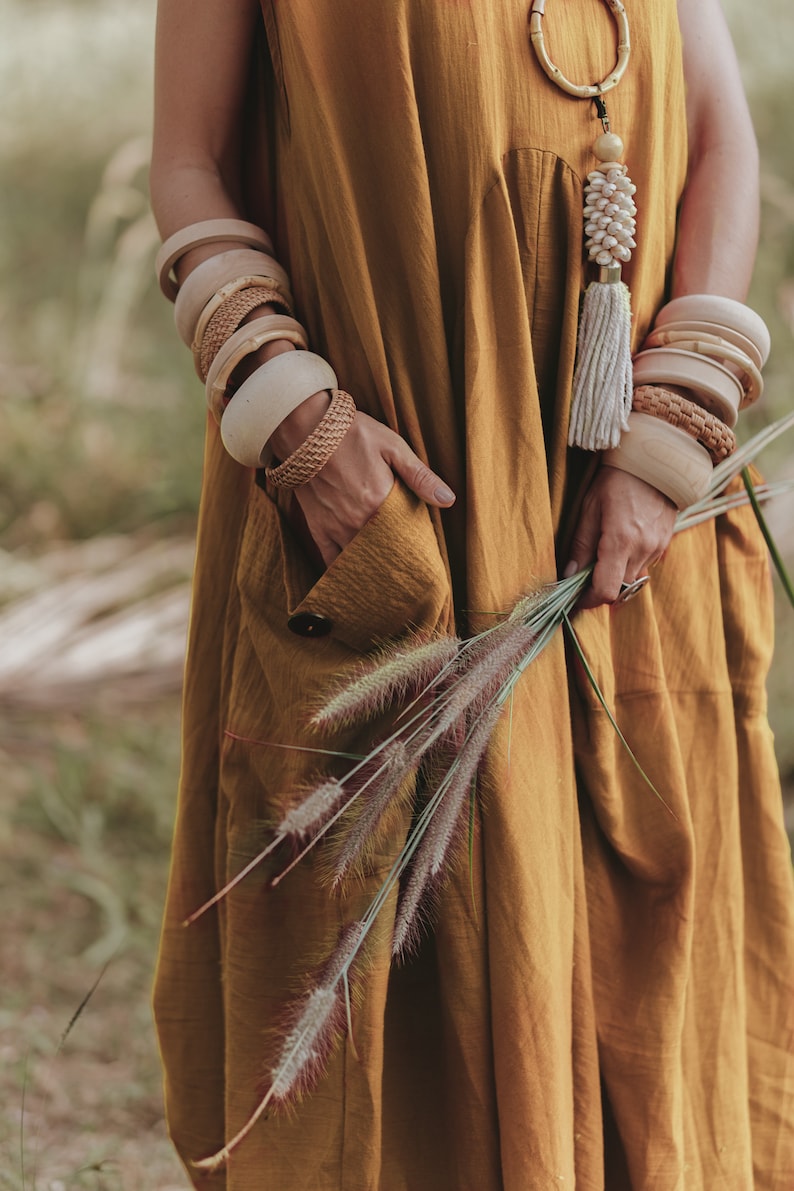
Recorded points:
(390,579)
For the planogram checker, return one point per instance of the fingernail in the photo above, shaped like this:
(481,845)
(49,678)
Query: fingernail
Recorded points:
(444,496)
(571,569)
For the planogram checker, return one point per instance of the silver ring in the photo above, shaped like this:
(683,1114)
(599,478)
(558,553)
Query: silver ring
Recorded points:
(629,590)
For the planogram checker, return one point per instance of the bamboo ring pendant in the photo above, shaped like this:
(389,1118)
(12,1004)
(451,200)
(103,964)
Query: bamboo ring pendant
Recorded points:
(554,72)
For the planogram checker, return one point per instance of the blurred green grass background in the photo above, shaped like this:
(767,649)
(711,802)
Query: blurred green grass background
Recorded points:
(102,432)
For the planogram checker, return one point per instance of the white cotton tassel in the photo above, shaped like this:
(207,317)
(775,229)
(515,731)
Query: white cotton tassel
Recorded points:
(602,385)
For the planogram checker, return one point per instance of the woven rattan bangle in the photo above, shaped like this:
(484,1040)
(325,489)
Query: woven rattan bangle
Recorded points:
(715,388)
(227,318)
(720,312)
(314,452)
(664,457)
(705,428)
(195,302)
(197,235)
(266,398)
(263,276)
(243,343)
(732,358)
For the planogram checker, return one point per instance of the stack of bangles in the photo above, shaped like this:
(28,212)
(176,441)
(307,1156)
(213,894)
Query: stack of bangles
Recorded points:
(713,349)
(210,309)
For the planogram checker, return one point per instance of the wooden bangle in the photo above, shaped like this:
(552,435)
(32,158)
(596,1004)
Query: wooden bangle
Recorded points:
(265,399)
(725,312)
(314,452)
(241,344)
(709,333)
(664,457)
(195,302)
(705,428)
(736,361)
(227,319)
(197,235)
(715,387)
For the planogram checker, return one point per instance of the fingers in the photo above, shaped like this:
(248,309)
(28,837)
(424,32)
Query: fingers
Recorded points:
(624,527)
(428,486)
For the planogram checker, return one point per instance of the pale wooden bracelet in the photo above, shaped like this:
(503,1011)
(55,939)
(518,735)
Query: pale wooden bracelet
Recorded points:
(197,235)
(243,343)
(663,456)
(266,398)
(719,311)
(713,386)
(227,319)
(307,460)
(736,361)
(708,333)
(706,428)
(197,297)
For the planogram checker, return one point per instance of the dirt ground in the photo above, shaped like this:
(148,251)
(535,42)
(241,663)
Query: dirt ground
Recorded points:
(79,888)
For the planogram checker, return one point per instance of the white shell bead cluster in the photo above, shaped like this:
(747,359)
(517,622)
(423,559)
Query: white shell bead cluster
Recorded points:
(609,214)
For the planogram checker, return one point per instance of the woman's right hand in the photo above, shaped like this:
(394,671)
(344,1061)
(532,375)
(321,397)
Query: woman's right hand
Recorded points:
(357,478)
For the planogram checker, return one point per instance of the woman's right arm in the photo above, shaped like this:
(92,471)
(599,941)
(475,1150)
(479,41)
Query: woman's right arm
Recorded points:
(201,67)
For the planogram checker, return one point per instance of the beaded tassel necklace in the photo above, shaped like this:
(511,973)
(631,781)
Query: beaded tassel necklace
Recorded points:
(602,388)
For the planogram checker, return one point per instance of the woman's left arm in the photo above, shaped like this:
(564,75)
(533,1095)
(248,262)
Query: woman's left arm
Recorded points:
(626,524)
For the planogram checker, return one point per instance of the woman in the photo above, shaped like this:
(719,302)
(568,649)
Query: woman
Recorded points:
(610,1006)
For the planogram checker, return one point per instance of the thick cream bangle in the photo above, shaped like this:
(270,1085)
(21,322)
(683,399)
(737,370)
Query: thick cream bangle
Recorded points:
(266,398)
(197,235)
(713,386)
(241,344)
(195,302)
(736,361)
(663,456)
(307,460)
(720,312)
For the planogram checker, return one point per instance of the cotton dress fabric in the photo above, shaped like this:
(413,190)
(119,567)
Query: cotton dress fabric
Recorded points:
(606,998)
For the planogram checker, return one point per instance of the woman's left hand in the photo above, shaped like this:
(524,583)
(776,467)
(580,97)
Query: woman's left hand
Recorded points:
(624,527)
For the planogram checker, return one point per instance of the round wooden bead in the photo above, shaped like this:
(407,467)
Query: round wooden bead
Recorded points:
(664,456)
(608,147)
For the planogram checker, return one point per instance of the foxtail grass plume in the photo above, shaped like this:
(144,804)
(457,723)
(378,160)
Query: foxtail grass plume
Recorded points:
(394,679)
(383,785)
(446,825)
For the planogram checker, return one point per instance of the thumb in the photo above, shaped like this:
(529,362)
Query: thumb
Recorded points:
(420,479)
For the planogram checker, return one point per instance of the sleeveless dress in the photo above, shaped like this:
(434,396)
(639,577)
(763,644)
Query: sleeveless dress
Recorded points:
(605,999)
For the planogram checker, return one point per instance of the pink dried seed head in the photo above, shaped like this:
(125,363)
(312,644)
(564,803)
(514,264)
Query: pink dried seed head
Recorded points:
(398,676)
(447,824)
(307,1044)
(313,811)
(350,940)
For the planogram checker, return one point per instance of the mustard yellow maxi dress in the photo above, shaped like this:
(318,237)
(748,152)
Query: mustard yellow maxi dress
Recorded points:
(612,1007)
